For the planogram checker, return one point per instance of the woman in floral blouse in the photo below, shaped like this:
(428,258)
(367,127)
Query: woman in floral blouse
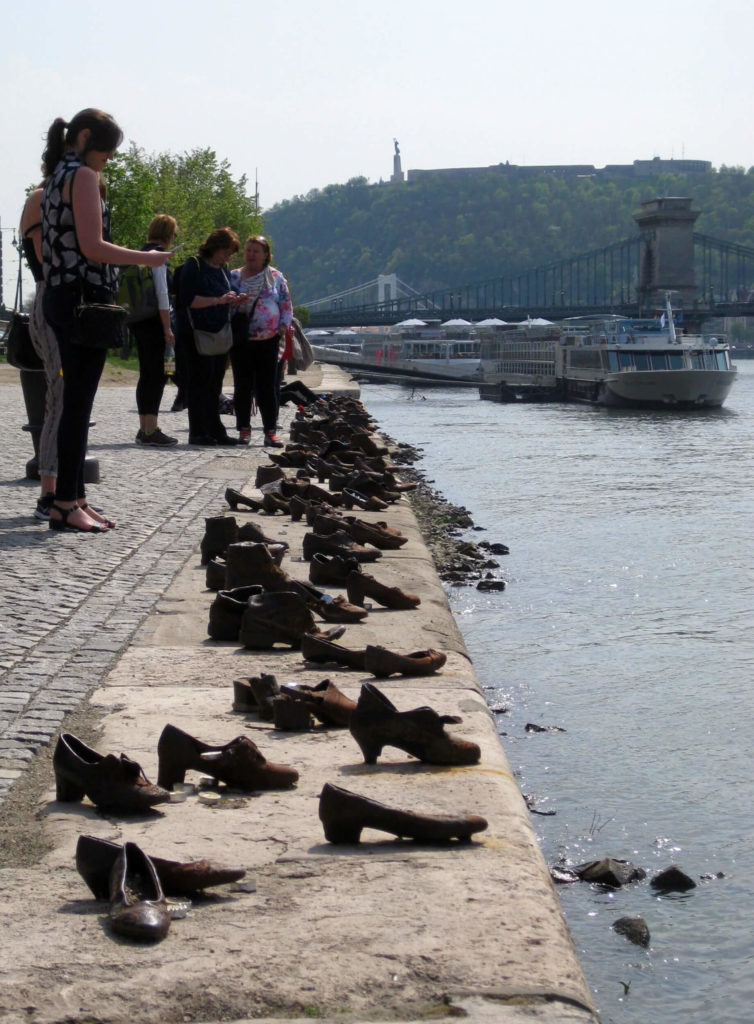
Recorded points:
(255,353)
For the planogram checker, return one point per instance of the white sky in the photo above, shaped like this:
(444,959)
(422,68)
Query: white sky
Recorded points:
(312,92)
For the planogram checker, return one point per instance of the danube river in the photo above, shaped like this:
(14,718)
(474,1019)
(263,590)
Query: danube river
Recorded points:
(627,623)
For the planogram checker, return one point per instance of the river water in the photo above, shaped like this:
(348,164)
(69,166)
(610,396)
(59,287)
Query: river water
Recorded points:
(626,622)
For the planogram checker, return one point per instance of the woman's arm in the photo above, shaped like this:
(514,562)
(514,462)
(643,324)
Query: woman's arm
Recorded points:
(160,278)
(32,216)
(87,215)
(284,303)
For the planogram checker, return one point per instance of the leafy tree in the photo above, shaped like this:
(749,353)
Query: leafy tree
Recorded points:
(196,188)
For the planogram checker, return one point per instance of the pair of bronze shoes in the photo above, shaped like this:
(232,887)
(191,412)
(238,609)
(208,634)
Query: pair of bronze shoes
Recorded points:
(240,763)
(376,722)
(325,701)
(378,661)
(345,814)
(112,783)
(95,859)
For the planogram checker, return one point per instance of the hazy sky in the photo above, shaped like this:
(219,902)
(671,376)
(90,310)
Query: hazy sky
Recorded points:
(310,92)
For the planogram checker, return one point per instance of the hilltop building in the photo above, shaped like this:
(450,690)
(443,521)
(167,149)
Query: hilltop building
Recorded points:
(638,170)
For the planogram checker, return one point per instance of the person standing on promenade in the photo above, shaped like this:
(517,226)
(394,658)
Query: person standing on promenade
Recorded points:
(46,346)
(153,337)
(205,294)
(255,356)
(79,260)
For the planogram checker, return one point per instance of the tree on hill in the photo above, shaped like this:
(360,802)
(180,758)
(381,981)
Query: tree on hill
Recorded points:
(441,232)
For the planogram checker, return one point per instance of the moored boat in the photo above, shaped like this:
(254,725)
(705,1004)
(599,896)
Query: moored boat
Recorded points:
(411,350)
(611,361)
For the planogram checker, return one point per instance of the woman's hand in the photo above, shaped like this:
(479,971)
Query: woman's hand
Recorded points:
(155,258)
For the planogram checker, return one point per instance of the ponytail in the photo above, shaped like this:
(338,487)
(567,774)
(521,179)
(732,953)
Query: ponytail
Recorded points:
(55,146)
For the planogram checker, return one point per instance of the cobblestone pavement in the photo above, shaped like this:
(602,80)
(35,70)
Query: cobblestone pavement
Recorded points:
(69,604)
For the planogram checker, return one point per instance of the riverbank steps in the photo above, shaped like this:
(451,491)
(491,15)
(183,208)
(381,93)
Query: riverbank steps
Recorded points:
(106,637)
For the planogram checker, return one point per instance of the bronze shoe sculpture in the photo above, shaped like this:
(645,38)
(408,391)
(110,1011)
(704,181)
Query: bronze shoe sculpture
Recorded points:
(256,693)
(333,569)
(219,532)
(318,649)
(378,534)
(353,497)
(339,609)
(250,531)
(215,575)
(95,859)
(110,782)
(377,723)
(290,715)
(383,663)
(340,543)
(360,585)
(325,701)
(239,763)
(235,498)
(277,617)
(226,611)
(138,909)
(344,814)
(249,563)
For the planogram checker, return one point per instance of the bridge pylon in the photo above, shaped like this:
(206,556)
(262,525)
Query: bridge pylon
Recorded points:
(666,260)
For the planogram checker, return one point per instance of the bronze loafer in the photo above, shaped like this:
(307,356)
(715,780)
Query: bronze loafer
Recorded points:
(138,909)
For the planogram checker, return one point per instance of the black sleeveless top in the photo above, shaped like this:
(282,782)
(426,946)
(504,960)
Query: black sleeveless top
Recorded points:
(30,256)
(64,263)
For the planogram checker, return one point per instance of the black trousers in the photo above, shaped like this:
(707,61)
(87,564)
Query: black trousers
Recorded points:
(82,369)
(255,375)
(203,389)
(150,345)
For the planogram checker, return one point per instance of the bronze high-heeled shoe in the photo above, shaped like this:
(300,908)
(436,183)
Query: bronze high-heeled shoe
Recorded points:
(95,859)
(360,585)
(344,814)
(376,723)
(239,763)
(110,782)
(138,908)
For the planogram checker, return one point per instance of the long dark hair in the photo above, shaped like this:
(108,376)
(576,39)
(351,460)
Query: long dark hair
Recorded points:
(105,136)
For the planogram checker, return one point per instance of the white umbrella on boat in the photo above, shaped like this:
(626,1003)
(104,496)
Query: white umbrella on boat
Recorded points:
(411,322)
(318,334)
(460,322)
(538,321)
(339,334)
(491,321)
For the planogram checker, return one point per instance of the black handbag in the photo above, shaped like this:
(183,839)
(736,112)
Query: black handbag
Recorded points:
(19,348)
(98,324)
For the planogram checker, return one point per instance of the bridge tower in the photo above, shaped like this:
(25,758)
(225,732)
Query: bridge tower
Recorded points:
(667,252)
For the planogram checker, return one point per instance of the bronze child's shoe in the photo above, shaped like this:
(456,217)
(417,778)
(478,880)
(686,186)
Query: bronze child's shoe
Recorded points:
(344,814)
(383,663)
(138,909)
(325,701)
(361,585)
(110,782)
(239,763)
(95,859)
(376,723)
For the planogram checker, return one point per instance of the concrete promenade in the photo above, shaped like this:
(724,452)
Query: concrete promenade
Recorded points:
(105,636)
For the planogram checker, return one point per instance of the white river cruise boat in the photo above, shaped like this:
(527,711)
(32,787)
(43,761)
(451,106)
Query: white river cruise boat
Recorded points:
(612,361)
(426,351)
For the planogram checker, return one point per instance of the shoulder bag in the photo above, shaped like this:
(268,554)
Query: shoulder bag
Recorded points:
(303,357)
(212,343)
(19,349)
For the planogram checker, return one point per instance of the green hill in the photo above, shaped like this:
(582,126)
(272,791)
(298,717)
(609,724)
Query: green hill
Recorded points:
(442,231)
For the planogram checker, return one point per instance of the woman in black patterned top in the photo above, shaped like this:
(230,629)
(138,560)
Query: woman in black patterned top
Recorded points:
(79,259)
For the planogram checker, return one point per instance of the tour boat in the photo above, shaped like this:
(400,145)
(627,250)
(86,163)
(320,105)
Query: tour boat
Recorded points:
(611,361)
(418,350)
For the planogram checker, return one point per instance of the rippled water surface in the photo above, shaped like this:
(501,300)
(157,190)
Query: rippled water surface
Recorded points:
(627,622)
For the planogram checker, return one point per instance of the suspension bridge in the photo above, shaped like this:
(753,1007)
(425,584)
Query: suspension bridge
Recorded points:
(707,278)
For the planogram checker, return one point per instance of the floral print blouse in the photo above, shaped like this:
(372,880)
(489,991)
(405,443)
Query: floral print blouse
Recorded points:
(274,309)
